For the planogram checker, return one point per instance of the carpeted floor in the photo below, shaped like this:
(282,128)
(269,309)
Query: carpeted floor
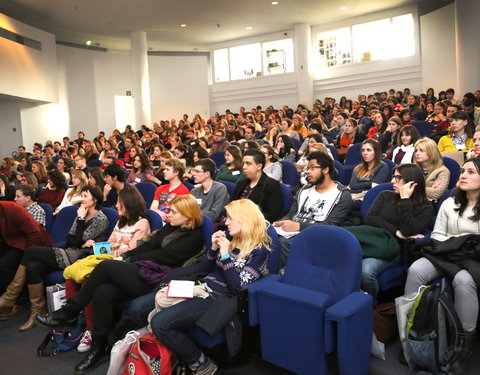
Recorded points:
(18,357)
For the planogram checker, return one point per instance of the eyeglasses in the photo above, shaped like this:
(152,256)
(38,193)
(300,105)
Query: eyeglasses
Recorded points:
(312,167)
(397,177)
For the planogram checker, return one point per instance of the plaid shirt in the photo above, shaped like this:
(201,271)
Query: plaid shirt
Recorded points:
(38,213)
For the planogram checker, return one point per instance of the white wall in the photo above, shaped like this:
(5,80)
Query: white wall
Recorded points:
(9,119)
(438,49)
(178,85)
(27,72)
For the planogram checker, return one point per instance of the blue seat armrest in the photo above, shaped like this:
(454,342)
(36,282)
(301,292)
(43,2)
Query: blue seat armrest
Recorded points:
(293,294)
(252,297)
(348,330)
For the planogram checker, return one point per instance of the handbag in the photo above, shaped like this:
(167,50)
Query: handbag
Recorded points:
(119,353)
(56,297)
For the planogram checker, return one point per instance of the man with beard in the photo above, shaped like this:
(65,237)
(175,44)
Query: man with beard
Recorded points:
(321,202)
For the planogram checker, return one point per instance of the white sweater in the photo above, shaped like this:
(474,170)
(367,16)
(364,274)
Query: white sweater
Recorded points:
(450,224)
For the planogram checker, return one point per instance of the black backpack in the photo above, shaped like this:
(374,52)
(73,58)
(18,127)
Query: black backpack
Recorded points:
(435,336)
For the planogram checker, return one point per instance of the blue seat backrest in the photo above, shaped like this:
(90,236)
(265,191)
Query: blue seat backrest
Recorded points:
(454,169)
(94,163)
(326,259)
(296,143)
(219,158)
(112,216)
(287,197)
(273,257)
(155,220)
(207,230)
(424,128)
(49,218)
(290,174)
(147,190)
(62,223)
(230,187)
(334,151)
(188,185)
(339,174)
(354,155)
(391,165)
(371,195)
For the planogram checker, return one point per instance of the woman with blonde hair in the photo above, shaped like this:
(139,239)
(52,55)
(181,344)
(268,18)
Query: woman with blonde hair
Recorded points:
(73,195)
(429,159)
(119,279)
(236,258)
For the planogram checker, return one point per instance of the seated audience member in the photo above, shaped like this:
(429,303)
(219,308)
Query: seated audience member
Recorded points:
(284,149)
(7,191)
(7,166)
(231,171)
(158,167)
(90,226)
(371,172)
(379,127)
(81,163)
(322,201)
(173,174)
(403,153)
(405,212)
(457,219)
(73,195)
(18,231)
(250,145)
(63,165)
(141,169)
(298,125)
(95,177)
(114,177)
(437,175)
(272,168)
(439,113)
(338,126)
(229,265)
(132,226)
(313,129)
(220,143)
(113,153)
(287,130)
(350,136)
(40,172)
(200,153)
(405,117)
(475,151)
(25,197)
(460,137)
(388,140)
(258,187)
(55,189)
(113,281)
(212,196)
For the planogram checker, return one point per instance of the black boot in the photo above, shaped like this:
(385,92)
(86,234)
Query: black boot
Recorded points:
(461,365)
(64,318)
(98,354)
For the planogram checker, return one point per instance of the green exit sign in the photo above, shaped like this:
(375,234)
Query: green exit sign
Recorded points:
(129,93)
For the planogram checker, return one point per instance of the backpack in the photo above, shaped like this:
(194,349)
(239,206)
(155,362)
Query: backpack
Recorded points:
(148,356)
(435,336)
(62,340)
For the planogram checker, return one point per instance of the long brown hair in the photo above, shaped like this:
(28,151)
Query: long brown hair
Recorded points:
(362,169)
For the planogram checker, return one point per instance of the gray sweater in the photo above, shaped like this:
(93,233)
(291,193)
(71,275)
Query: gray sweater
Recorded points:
(213,202)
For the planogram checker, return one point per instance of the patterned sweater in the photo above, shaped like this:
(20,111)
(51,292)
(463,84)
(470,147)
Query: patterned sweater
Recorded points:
(227,275)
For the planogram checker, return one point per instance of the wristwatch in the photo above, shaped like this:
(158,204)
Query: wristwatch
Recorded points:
(225,256)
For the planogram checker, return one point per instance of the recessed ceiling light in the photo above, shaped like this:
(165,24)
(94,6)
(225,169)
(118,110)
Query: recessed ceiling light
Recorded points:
(249,28)
(274,2)
(343,8)
(183,25)
(88,42)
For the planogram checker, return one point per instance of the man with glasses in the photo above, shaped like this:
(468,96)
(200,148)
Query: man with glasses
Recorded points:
(321,201)
(220,143)
(212,196)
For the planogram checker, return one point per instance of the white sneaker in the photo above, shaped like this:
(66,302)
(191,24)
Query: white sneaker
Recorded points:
(85,342)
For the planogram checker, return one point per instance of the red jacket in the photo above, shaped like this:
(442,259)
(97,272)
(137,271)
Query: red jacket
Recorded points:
(19,229)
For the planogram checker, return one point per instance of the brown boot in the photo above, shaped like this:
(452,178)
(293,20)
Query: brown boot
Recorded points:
(37,301)
(8,299)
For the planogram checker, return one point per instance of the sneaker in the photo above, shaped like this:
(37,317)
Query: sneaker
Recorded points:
(85,342)
(209,367)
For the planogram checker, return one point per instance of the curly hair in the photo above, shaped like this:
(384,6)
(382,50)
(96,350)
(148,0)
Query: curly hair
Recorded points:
(57,179)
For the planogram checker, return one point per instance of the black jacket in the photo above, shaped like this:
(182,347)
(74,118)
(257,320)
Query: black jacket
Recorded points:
(266,194)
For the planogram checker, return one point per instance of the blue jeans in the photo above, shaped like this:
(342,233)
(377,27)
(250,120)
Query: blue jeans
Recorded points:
(371,269)
(140,307)
(170,324)
(285,244)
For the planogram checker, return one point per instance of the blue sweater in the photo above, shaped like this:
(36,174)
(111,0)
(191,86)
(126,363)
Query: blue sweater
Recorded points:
(379,176)
(228,275)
